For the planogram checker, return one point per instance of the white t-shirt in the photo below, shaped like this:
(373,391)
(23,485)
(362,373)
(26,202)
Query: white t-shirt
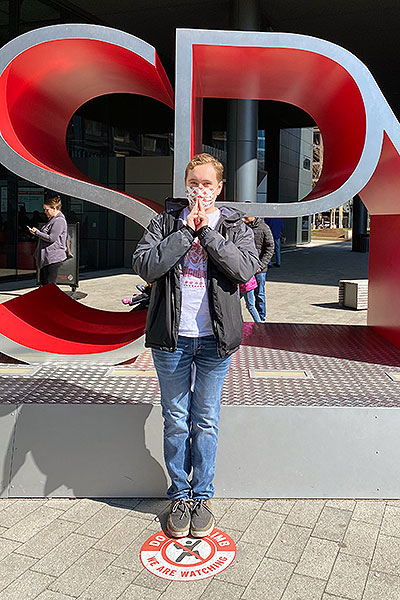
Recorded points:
(195,313)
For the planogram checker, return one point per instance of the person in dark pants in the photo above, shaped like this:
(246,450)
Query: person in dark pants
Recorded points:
(51,249)
(276,226)
(264,241)
(195,255)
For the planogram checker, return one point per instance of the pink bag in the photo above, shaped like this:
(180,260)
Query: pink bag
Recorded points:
(251,284)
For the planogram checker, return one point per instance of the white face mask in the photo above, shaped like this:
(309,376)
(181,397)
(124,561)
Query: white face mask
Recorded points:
(206,195)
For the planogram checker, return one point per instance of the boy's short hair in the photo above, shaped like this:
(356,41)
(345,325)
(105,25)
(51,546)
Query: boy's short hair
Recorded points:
(204,159)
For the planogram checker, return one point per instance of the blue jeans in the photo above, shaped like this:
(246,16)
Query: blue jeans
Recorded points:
(250,300)
(190,414)
(259,293)
(277,252)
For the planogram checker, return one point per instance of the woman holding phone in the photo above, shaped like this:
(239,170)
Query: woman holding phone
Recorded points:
(51,249)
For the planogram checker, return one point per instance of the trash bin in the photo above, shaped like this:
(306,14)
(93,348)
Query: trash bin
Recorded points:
(68,273)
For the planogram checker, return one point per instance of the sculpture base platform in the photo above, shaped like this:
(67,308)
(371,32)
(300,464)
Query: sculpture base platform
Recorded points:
(308,411)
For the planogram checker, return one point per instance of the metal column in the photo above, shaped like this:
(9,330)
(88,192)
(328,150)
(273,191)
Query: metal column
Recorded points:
(360,240)
(272,138)
(243,121)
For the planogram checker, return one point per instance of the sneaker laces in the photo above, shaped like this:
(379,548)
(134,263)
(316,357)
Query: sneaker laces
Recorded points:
(201,503)
(180,505)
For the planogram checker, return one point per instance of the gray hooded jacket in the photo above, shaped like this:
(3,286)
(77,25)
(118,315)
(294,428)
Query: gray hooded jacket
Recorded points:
(232,259)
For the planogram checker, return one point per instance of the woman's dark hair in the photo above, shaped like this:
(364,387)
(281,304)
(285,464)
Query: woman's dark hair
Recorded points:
(53,202)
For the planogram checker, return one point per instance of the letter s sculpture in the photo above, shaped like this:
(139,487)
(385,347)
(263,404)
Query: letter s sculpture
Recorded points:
(48,73)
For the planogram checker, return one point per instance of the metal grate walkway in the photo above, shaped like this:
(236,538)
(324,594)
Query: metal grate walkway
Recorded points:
(349,366)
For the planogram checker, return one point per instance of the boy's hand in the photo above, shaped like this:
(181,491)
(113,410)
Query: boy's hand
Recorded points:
(193,216)
(202,216)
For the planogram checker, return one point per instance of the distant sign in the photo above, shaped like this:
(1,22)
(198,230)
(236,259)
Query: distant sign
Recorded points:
(188,559)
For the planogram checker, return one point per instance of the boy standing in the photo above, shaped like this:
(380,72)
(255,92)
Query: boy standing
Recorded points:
(194,255)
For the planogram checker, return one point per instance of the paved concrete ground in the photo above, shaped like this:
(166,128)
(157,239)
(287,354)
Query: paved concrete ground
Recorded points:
(287,549)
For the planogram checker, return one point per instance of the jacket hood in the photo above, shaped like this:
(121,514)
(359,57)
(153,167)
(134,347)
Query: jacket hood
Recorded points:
(254,223)
(232,215)
(175,204)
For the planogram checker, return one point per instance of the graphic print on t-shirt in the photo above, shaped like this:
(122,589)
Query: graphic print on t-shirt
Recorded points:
(194,273)
(195,315)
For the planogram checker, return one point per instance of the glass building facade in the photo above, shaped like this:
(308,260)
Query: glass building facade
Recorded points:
(101,152)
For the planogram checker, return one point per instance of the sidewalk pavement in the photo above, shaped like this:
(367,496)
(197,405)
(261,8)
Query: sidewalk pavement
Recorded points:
(288,549)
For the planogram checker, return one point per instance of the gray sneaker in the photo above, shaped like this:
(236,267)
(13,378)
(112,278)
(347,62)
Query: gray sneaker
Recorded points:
(178,523)
(202,518)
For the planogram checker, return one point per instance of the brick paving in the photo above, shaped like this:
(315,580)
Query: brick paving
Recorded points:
(287,549)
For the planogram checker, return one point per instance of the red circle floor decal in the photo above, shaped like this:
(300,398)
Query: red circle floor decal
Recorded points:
(187,559)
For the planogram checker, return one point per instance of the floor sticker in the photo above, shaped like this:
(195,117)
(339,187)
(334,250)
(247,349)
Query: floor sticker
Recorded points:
(187,559)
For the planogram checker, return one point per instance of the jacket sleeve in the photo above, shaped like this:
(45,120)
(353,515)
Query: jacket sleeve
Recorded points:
(238,259)
(267,248)
(56,230)
(155,254)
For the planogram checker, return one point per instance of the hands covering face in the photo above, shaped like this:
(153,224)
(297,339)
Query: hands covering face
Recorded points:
(197,217)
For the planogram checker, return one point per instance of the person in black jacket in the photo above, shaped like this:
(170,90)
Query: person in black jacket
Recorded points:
(194,255)
(264,241)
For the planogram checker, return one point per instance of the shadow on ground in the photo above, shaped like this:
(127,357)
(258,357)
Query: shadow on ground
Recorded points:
(323,264)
